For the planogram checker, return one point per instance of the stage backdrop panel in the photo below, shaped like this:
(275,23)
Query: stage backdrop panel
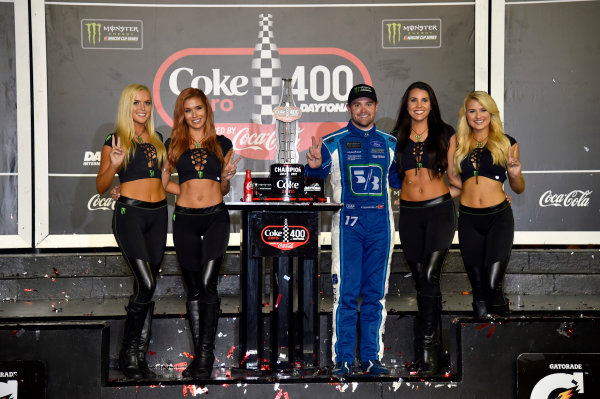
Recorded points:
(551,106)
(8,122)
(237,55)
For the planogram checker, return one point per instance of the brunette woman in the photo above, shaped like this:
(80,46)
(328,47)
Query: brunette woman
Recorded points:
(136,152)
(200,222)
(425,151)
(484,158)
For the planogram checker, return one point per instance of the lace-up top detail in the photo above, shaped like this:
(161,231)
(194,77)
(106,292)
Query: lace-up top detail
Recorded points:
(480,163)
(199,163)
(143,164)
(475,159)
(199,158)
(415,155)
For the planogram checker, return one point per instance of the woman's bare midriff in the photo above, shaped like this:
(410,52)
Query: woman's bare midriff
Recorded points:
(199,193)
(148,190)
(485,193)
(422,186)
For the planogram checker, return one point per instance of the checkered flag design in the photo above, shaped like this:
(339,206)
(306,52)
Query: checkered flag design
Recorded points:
(286,231)
(266,76)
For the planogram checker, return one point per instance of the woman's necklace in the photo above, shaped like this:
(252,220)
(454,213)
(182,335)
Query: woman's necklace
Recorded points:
(480,142)
(198,144)
(418,136)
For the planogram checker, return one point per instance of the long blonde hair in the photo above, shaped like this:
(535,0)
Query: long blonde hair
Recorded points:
(497,142)
(126,128)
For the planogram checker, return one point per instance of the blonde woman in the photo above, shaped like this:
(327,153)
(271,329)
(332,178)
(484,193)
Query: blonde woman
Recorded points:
(136,152)
(484,159)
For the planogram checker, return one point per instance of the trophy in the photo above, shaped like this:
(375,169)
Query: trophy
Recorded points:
(286,181)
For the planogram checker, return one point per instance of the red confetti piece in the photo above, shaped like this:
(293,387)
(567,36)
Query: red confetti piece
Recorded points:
(228,373)
(265,304)
(152,353)
(189,355)
(225,385)
(55,271)
(278,299)
(447,374)
(491,332)
(53,280)
(245,358)
(482,326)
(28,289)
(285,395)
(180,366)
(279,394)
(230,352)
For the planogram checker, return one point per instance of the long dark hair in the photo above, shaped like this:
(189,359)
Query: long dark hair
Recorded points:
(438,137)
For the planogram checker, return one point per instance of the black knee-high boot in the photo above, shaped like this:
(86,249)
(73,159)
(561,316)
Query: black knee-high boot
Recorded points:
(497,303)
(134,323)
(428,341)
(203,319)
(144,342)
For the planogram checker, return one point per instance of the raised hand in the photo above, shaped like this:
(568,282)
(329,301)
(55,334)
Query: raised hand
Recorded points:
(313,156)
(513,162)
(117,154)
(230,169)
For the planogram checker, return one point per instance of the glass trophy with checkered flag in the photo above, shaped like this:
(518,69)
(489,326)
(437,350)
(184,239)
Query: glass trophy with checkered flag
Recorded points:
(286,169)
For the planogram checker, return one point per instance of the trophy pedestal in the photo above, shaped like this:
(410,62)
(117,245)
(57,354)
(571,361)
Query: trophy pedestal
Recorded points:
(287,183)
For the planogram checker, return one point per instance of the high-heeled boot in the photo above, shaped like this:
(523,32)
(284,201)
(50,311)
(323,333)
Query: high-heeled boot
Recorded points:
(144,342)
(203,319)
(134,323)
(427,340)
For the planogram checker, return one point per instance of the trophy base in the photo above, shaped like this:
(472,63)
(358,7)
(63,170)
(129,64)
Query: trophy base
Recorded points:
(287,183)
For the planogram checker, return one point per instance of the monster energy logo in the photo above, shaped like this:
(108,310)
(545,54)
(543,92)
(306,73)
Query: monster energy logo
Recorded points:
(151,172)
(200,174)
(393,31)
(122,211)
(93,29)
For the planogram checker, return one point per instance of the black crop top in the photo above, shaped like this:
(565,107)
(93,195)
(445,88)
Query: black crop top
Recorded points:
(479,162)
(198,163)
(415,155)
(142,165)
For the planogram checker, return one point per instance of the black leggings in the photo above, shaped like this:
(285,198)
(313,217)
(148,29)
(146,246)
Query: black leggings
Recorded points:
(426,232)
(486,237)
(201,236)
(140,229)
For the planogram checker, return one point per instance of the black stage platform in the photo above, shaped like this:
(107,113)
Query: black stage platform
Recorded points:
(66,312)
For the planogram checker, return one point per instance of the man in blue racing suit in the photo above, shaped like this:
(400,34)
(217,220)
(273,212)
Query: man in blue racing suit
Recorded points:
(362,162)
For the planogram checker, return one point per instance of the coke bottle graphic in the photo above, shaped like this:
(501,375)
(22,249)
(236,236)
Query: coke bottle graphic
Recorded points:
(248,188)
(266,78)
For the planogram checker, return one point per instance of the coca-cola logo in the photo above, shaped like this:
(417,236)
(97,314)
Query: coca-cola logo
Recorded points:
(98,203)
(575,198)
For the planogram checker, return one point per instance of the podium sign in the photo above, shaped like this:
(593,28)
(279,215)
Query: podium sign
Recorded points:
(284,234)
(22,379)
(558,375)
